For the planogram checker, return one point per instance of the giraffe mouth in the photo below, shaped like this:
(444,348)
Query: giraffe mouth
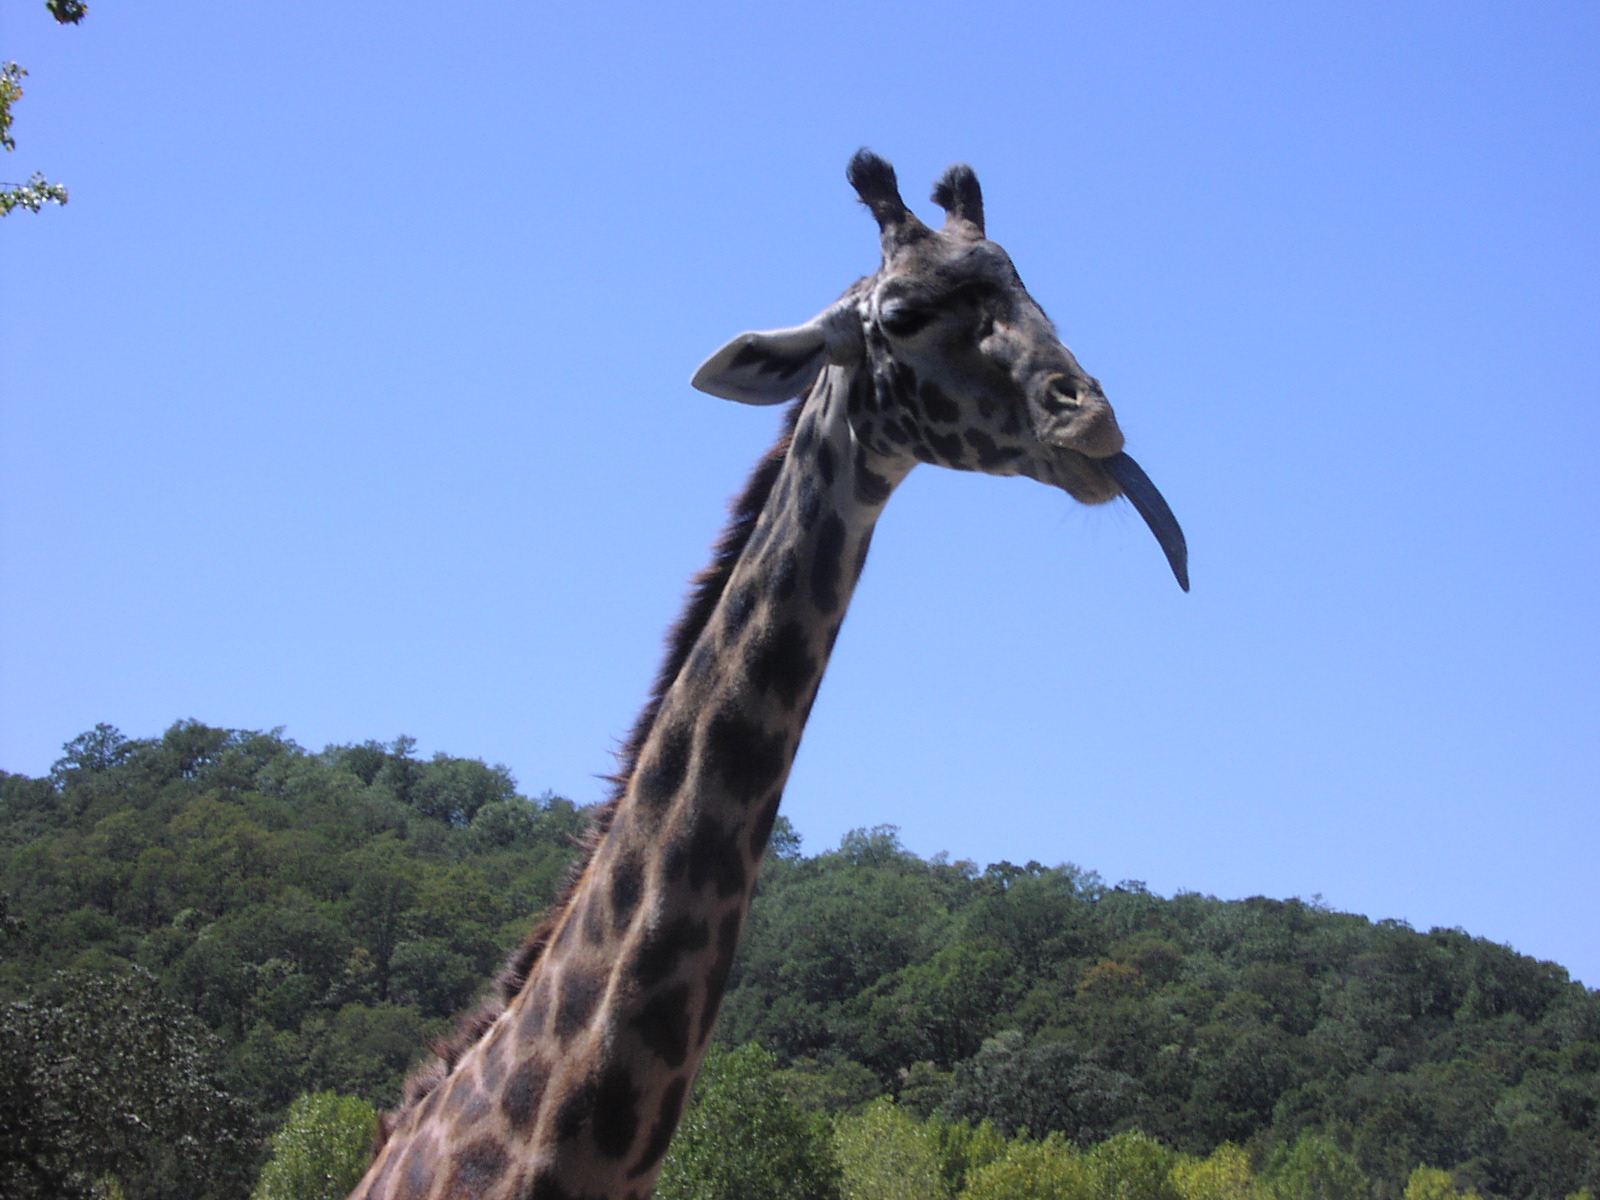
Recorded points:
(1152,506)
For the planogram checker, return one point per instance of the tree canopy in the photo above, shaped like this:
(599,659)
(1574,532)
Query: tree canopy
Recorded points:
(279,922)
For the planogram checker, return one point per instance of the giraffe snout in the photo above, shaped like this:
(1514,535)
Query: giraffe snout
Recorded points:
(1075,414)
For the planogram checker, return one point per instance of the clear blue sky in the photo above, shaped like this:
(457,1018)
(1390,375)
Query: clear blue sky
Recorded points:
(349,394)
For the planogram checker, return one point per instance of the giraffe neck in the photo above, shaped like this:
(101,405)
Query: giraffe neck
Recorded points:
(575,1090)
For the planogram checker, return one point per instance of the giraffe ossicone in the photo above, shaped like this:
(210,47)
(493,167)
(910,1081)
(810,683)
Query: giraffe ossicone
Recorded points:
(569,1084)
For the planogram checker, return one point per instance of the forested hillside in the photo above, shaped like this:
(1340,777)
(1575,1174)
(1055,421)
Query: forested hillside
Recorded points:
(201,927)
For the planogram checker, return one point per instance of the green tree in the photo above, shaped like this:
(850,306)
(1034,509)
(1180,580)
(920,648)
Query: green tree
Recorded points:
(385,889)
(452,790)
(108,1078)
(888,1154)
(1053,1169)
(963,1148)
(321,1151)
(822,936)
(98,749)
(1043,1088)
(1225,1175)
(1132,1166)
(834,1087)
(940,1010)
(743,1139)
(1315,1168)
(280,895)
(1429,1183)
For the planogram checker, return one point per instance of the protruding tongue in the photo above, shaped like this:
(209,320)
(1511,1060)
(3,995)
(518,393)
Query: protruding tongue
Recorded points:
(1136,486)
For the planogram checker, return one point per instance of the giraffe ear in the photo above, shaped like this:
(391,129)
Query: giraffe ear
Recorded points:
(766,368)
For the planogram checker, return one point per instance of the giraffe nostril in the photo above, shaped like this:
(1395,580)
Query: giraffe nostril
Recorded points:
(1057,401)
(1060,395)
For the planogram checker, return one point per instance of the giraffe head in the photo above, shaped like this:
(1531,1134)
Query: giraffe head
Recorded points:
(950,361)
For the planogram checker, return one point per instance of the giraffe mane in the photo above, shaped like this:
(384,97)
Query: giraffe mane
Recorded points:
(705,592)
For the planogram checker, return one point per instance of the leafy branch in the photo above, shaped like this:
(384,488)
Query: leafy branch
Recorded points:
(38,191)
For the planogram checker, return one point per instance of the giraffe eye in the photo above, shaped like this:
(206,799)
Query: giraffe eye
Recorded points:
(902,320)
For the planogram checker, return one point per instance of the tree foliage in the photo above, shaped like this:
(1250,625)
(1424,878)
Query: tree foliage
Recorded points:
(1041,998)
(106,1078)
(1317,1168)
(38,191)
(886,1153)
(321,1150)
(1052,1169)
(315,918)
(742,1138)
(1223,1175)
(323,915)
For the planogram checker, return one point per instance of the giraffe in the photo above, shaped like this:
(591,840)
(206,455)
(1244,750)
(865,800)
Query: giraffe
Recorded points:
(569,1085)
